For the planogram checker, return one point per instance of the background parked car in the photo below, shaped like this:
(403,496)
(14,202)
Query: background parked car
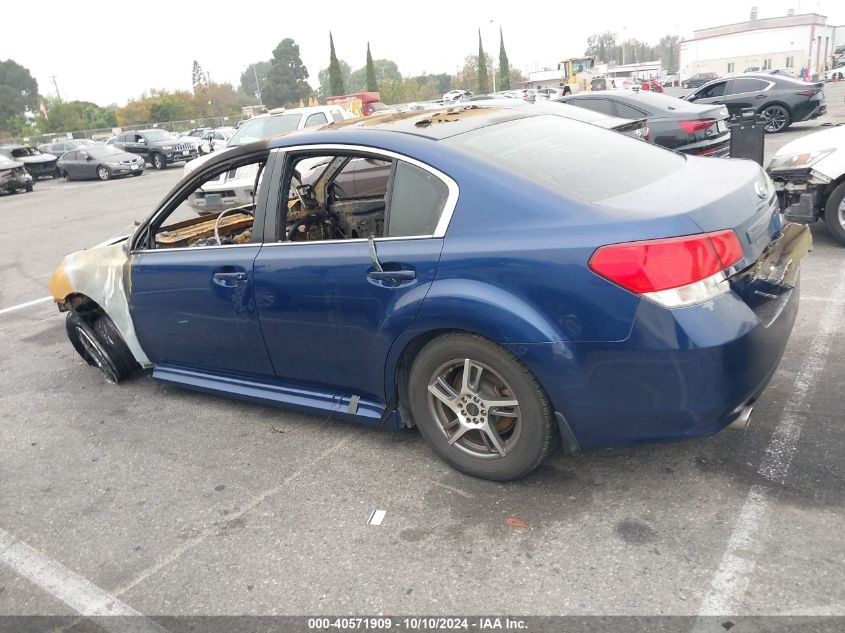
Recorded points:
(13,175)
(809,177)
(264,126)
(781,100)
(60,147)
(673,123)
(37,163)
(698,79)
(213,140)
(158,147)
(102,162)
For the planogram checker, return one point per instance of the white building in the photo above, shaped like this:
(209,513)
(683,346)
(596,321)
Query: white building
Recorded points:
(790,42)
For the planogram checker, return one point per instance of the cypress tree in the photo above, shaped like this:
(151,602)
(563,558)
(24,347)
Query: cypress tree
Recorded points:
(504,65)
(335,77)
(483,77)
(372,84)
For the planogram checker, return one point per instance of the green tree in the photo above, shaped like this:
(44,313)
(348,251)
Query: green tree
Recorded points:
(286,79)
(667,51)
(467,76)
(483,83)
(70,116)
(248,86)
(198,78)
(602,46)
(384,69)
(171,106)
(18,92)
(504,65)
(335,77)
(345,73)
(372,84)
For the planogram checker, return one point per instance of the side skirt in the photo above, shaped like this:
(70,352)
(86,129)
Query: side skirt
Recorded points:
(309,400)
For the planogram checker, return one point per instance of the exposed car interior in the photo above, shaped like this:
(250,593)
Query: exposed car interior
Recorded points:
(232,225)
(337,197)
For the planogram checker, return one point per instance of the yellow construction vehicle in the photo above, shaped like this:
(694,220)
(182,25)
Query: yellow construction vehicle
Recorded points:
(577,74)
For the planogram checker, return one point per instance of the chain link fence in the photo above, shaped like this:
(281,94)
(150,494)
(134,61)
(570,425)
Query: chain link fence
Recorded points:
(101,134)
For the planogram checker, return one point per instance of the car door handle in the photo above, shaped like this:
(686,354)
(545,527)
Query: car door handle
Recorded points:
(230,276)
(760,97)
(392,275)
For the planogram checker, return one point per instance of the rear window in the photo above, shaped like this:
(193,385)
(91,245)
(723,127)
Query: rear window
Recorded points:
(581,161)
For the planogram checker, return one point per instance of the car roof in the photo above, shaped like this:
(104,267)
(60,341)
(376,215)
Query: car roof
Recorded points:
(644,98)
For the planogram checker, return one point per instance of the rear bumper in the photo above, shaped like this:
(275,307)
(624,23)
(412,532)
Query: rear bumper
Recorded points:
(41,169)
(681,373)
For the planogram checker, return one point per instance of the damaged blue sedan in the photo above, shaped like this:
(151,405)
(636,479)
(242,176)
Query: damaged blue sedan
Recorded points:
(510,282)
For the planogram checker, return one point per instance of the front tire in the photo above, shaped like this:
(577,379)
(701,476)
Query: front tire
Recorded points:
(834,214)
(479,408)
(159,161)
(99,343)
(776,118)
(103,172)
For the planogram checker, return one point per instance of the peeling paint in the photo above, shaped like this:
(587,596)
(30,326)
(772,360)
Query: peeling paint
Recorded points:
(99,274)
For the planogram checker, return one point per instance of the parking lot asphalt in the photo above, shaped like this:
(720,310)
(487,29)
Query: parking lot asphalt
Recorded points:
(173,502)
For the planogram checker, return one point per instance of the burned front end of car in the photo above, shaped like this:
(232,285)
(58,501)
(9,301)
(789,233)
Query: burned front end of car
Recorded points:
(14,179)
(801,190)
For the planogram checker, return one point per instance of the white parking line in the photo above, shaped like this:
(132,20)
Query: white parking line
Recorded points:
(731,580)
(25,305)
(75,591)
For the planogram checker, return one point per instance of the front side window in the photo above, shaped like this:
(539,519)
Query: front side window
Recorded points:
(218,210)
(716,90)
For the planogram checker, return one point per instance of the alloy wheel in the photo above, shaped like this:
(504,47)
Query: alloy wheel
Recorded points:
(775,118)
(475,408)
(103,173)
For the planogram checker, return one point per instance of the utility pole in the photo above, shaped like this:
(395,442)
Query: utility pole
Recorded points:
(56,86)
(257,87)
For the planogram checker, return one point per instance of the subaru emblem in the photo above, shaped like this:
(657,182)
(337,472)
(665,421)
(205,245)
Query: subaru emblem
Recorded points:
(761,189)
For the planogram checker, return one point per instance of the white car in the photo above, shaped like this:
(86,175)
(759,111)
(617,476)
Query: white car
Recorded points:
(835,73)
(231,189)
(809,177)
(215,140)
(456,95)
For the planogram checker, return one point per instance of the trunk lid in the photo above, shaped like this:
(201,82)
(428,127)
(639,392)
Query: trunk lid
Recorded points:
(715,194)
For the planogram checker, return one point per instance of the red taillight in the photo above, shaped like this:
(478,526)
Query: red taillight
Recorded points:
(654,265)
(812,92)
(694,126)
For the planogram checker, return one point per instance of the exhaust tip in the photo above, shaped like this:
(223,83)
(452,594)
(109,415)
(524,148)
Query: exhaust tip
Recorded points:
(742,421)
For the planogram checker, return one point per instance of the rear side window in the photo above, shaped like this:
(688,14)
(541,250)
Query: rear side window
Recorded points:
(580,161)
(604,106)
(627,112)
(747,84)
(318,118)
(417,200)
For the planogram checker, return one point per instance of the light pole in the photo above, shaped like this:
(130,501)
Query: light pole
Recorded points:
(492,23)
(257,86)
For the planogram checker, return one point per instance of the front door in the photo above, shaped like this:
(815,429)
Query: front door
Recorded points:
(328,314)
(192,289)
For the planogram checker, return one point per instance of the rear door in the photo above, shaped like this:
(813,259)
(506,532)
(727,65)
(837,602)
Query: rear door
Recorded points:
(328,315)
(746,92)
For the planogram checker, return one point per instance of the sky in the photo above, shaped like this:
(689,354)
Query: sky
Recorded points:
(110,52)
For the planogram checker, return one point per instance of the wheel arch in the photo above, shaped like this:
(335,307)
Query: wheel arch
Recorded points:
(94,279)
(785,106)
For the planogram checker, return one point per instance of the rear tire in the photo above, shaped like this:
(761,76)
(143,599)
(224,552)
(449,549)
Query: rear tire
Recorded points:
(834,214)
(776,117)
(159,161)
(99,343)
(476,432)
